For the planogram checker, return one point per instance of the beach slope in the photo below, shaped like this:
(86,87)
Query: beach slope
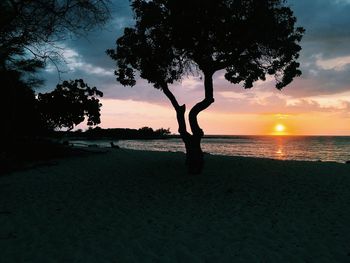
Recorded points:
(138,206)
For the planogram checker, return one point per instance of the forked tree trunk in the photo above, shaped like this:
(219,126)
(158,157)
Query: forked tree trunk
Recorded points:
(194,153)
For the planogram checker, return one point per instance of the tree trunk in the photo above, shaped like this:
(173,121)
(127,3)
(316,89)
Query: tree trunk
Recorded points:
(194,154)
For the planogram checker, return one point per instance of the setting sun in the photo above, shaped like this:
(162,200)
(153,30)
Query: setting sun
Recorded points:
(280,128)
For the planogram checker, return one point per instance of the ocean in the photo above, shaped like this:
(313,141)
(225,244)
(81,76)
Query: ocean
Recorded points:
(309,148)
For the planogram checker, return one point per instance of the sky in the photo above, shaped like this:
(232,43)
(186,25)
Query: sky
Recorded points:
(317,103)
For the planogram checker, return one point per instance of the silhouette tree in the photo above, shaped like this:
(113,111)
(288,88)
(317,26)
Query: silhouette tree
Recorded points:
(69,104)
(247,39)
(20,118)
(146,132)
(161,132)
(29,29)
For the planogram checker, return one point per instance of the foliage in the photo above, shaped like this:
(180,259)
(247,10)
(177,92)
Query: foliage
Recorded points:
(248,39)
(68,105)
(149,132)
(146,131)
(122,133)
(162,132)
(18,106)
(29,29)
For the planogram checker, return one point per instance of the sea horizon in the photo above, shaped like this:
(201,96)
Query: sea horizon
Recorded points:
(271,135)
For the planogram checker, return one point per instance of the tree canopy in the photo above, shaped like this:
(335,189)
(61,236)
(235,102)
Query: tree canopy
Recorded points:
(249,39)
(69,104)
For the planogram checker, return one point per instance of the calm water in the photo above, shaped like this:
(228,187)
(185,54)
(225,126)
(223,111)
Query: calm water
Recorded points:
(313,148)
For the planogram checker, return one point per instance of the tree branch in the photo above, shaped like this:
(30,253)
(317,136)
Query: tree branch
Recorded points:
(180,111)
(200,106)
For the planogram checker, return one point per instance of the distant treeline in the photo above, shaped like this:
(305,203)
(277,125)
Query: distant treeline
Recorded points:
(120,133)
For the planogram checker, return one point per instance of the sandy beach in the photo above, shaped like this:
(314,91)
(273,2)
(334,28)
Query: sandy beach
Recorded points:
(137,206)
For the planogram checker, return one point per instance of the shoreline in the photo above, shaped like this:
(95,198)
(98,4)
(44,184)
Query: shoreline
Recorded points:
(286,148)
(96,147)
(142,206)
(81,151)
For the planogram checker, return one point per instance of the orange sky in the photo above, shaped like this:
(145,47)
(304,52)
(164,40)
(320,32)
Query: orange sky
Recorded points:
(135,114)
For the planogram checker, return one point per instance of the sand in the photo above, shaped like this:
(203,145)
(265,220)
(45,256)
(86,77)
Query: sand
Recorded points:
(136,206)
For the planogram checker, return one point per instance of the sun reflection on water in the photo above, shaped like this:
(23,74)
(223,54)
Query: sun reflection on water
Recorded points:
(279,152)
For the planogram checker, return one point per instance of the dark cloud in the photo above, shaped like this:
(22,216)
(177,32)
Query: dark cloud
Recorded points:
(327,36)
(320,82)
(323,20)
(327,24)
(91,50)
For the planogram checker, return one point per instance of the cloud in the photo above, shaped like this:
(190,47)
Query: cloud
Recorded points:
(323,19)
(75,62)
(86,57)
(325,55)
(325,62)
(337,64)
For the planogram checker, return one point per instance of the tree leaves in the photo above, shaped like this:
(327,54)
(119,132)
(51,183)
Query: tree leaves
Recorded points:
(69,104)
(249,39)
